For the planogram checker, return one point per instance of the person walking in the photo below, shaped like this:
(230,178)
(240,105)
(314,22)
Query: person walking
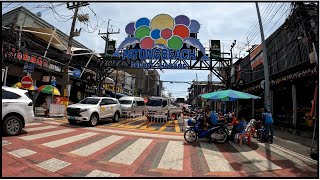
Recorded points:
(268,124)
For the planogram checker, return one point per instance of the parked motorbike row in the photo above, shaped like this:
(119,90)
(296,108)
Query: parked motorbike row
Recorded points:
(219,133)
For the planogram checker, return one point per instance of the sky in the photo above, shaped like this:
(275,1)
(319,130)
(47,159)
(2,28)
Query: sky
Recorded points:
(224,21)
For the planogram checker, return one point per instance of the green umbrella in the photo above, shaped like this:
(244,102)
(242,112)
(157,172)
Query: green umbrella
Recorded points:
(228,95)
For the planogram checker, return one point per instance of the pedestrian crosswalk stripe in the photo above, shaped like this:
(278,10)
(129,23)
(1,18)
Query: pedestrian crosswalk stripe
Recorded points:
(173,156)
(96,146)
(127,121)
(4,142)
(258,160)
(215,159)
(149,135)
(46,134)
(98,173)
(64,141)
(176,126)
(283,154)
(164,126)
(39,128)
(32,124)
(53,122)
(131,153)
(20,153)
(53,165)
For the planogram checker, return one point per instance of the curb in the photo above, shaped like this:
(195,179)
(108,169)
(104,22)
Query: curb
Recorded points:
(48,119)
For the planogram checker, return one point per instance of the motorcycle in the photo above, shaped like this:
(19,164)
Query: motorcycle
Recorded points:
(194,131)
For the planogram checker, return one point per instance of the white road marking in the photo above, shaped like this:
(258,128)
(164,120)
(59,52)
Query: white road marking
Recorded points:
(98,173)
(258,160)
(32,124)
(53,122)
(148,135)
(53,165)
(46,134)
(215,159)
(39,128)
(64,141)
(4,142)
(96,146)
(20,153)
(173,156)
(131,153)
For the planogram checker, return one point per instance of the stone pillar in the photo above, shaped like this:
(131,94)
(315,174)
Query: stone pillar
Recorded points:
(294,105)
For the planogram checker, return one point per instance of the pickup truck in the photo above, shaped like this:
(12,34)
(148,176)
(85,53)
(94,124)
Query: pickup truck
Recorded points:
(161,105)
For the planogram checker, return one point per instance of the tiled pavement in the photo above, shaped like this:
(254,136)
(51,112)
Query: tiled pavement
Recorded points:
(112,151)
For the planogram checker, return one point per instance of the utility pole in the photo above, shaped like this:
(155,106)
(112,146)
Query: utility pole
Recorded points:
(116,85)
(66,77)
(267,104)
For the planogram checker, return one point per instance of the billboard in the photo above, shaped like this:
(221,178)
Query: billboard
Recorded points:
(215,49)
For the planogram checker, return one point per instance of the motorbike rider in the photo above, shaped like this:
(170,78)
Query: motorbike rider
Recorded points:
(210,118)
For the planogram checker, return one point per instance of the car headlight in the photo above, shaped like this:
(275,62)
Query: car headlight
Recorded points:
(83,110)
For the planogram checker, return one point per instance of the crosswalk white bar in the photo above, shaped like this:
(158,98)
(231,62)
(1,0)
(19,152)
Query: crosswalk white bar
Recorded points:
(131,153)
(98,173)
(96,146)
(68,140)
(215,159)
(46,134)
(32,124)
(53,164)
(173,156)
(39,128)
(53,122)
(258,160)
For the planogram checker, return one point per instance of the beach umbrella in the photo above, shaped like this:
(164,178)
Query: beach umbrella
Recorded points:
(228,95)
(48,89)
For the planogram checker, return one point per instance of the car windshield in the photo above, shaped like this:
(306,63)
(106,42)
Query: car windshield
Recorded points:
(125,101)
(90,101)
(154,102)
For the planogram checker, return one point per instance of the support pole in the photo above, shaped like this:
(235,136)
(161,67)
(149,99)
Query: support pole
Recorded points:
(267,105)
(252,109)
(45,53)
(294,106)
(86,64)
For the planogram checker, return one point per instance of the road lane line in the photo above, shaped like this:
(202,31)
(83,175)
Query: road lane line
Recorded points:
(258,160)
(53,165)
(215,159)
(127,121)
(46,134)
(98,173)
(64,141)
(131,153)
(53,122)
(173,156)
(176,126)
(164,126)
(96,146)
(39,128)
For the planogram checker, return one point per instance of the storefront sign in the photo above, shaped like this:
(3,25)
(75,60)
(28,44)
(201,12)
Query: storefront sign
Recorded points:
(161,38)
(28,68)
(256,57)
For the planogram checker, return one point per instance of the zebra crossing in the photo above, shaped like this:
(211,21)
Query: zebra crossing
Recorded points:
(174,158)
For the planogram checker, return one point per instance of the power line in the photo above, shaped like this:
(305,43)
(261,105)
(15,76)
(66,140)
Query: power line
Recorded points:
(6,6)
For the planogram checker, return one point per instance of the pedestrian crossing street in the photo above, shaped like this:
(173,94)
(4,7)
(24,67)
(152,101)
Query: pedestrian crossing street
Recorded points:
(53,150)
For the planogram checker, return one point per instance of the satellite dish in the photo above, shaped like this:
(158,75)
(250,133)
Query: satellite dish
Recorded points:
(39,14)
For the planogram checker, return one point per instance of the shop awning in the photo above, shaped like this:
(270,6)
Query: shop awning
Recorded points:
(46,34)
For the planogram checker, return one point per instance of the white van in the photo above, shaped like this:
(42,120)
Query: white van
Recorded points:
(132,105)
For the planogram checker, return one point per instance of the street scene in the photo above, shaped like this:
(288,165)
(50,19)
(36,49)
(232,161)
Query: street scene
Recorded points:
(216,89)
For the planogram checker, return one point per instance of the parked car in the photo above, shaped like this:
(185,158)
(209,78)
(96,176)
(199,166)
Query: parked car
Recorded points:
(17,110)
(94,109)
(130,104)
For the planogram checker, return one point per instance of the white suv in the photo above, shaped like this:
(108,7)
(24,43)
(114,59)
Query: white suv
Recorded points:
(92,109)
(17,110)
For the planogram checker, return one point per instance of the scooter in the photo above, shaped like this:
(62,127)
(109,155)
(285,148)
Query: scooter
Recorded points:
(194,131)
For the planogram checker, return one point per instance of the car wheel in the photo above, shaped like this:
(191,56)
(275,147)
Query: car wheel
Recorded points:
(116,117)
(93,120)
(12,125)
(72,122)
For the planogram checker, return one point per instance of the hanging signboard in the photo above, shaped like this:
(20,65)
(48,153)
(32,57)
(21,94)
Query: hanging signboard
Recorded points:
(161,38)
(256,57)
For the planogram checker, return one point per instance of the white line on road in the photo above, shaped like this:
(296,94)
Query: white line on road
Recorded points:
(215,159)
(61,142)
(32,124)
(53,122)
(97,173)
(173,156)
(131,153)
(53,165)
(46,134)
(20,153)
(258,160)
(148,135)
(96,146)
(39,128)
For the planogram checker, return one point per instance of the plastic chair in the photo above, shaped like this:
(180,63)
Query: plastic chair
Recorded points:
(246,134)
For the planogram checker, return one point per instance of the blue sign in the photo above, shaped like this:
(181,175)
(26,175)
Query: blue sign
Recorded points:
(76,72)
(28,68)
(54,83)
